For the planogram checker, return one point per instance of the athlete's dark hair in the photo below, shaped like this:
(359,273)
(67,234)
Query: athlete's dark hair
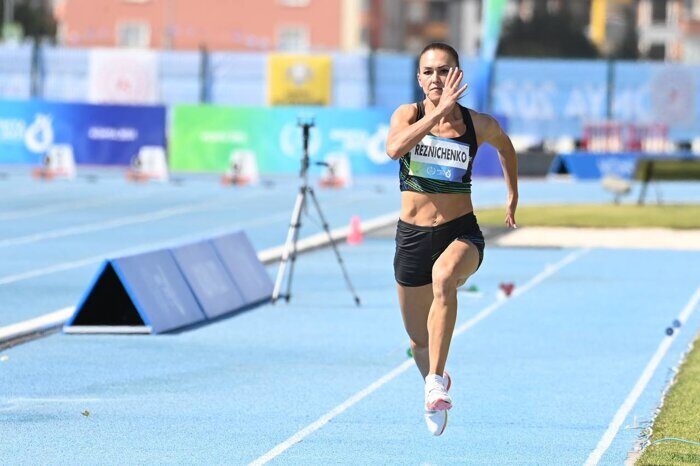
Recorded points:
(441,46)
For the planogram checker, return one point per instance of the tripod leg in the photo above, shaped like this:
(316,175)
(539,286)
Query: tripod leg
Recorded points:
(335,247)
(293,254)
(289,245)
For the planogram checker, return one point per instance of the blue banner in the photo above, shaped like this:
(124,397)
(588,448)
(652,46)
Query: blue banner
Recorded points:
(98,134)
(665,93)
(593,166)
(549,98)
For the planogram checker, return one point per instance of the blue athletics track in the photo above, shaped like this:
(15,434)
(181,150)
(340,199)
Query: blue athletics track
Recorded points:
(563,371)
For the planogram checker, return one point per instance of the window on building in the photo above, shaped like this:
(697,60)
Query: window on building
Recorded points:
(294,3)
(658,11)
(133,34)
(293,38)
(657,52)
(437,11)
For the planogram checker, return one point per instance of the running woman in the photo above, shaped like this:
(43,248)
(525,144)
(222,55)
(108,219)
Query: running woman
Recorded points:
(438,241)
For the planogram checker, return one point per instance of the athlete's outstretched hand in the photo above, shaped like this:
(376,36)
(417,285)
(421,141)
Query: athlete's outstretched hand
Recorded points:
(451,91)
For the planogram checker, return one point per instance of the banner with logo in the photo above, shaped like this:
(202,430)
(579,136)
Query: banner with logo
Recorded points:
(549,98)
(664,93)
(98,134)
(203,138)
(123,76)
(299,79)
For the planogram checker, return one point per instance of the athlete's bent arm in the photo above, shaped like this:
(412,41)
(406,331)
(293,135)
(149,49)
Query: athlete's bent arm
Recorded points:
(403,136)
(495,136)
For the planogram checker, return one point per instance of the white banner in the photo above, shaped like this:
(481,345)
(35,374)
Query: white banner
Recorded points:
(123,76)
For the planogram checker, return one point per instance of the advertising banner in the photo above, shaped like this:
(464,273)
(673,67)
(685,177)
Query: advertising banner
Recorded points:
(664,93)
(548,98)
(98,134)
(593,166)
(124,76)
(299,79)
(204,138)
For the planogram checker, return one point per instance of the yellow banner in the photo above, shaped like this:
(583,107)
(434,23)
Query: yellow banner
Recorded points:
(299,79)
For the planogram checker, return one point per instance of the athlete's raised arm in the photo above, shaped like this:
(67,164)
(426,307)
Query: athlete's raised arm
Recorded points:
(405,132)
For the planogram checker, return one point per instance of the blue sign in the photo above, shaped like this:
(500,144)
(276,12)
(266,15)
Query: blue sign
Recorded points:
(359,135)
(593,166)
(549,98)
(662,93)
(98,134)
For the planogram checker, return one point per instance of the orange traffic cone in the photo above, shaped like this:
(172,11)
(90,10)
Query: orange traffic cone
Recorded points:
(355,235)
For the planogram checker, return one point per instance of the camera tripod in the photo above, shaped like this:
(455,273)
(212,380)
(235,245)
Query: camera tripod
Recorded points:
(289,252)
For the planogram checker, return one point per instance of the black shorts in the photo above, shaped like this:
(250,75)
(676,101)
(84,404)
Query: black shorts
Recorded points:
(417,248)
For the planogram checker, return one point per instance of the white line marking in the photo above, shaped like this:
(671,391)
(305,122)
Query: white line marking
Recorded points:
(621,414)
(345,405)
(109,224)
(131,220)
(63,207)
(63,266)
(323,420)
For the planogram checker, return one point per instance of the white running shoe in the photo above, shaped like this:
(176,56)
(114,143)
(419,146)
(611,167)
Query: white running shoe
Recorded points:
(436,396)
(436,421)
(447,380)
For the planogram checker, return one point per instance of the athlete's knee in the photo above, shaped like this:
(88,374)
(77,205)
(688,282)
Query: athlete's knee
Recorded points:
(445,282)
(418,346)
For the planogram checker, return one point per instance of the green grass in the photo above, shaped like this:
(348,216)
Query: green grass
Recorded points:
(599,215)
(679,417)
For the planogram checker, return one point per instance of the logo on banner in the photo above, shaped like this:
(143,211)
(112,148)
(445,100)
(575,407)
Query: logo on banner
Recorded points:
(300,73)
(106,133)
(123,76)
(299,79)
(39,135)
(291,140)
(673,96)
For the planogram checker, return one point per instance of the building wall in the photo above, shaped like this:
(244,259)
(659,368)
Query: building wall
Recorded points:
(216,24)
(664,33)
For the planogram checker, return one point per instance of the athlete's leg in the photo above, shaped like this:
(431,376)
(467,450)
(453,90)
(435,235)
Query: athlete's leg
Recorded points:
(459,260)
(415,302)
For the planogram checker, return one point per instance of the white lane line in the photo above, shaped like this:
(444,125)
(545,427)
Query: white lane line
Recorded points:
(623,412)
(323,420)
(63,207)
(6,280)
(549,270)
(354,399)
(63,266)
(109,224)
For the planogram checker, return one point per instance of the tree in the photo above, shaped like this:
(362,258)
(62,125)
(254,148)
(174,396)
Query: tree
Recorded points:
(546,35)
(36,19)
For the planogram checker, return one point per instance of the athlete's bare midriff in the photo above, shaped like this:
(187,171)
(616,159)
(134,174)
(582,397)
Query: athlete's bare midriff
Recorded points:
(429,210)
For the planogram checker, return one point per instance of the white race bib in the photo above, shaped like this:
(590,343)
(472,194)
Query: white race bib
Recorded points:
(440,159)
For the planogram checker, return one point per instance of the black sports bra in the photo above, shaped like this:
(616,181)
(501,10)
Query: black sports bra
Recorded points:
(440,165)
